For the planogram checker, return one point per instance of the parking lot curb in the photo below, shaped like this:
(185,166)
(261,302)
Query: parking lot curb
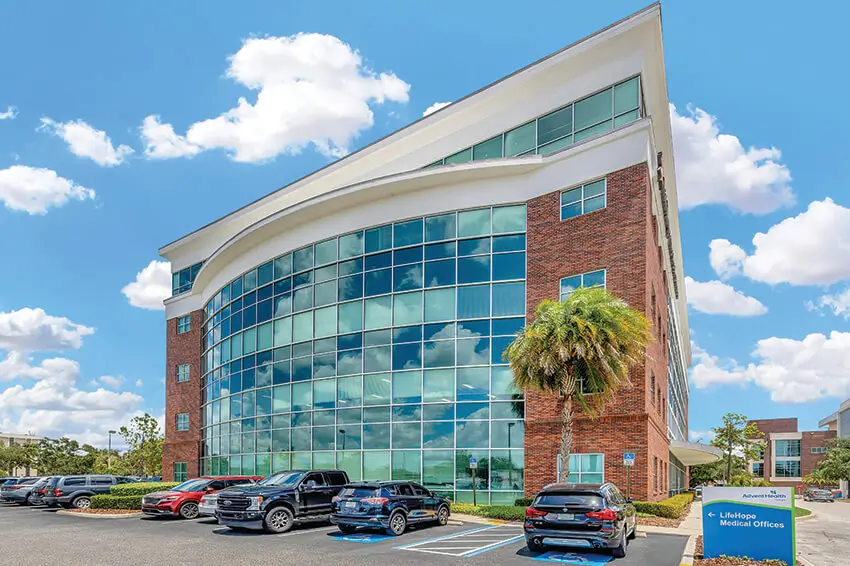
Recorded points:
(808,517)
(690,549)
(100,515)
(477,519)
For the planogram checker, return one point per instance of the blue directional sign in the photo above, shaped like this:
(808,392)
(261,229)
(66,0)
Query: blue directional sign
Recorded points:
(628,459)
(757,522)
(473,463)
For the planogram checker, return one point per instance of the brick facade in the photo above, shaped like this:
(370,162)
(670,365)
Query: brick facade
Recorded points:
(809,439)
(814,439)
(185,397)
(622,239)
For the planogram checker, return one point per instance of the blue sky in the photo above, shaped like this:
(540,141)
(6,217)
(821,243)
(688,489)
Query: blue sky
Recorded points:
(90,195)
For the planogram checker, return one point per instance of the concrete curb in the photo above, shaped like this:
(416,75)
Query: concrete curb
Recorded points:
(803,561)
(100,515)
(476,519)
(690,549)
(808,517)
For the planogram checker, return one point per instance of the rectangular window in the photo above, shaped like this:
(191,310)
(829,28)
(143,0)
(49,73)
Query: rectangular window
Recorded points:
(585,468)
(184,324)
(758,470)
(787,469)
(181,281)
(590,279)
(787,448)
(818,450)
(583,199)
(182,373)
(182,421)
(180,474)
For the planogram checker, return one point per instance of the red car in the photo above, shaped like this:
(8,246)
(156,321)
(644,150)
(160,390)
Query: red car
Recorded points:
(182,500)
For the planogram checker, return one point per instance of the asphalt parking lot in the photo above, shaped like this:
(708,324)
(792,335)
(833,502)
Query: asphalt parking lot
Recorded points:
(36,535)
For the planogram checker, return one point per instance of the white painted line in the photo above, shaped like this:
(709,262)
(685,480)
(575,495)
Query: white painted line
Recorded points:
(308,531)
(493,546)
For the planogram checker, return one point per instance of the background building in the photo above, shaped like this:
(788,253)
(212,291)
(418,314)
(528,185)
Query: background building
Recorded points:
(839,421)
(357,317)
(788,454)
(7,439)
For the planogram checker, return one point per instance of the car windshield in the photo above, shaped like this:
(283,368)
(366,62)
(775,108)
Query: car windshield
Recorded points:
(284,479)
(192,485)
(821,492)
(564,499)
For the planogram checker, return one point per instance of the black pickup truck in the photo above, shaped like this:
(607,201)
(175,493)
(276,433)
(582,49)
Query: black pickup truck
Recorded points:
(281,500)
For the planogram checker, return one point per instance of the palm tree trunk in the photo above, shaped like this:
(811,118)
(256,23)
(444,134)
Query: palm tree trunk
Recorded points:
(566,439)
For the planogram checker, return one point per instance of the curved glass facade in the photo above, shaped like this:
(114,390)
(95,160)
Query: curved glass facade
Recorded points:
(378,352)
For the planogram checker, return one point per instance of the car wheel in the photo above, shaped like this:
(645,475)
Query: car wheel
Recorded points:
(27,501)
(347,529)
(633,533)
(189,510)
(534,546)
(82,502)
(278,520)
(398,524)
(619,551)
(443,516)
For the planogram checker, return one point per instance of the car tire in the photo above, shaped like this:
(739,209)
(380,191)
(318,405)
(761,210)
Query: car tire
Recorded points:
(189,510)
(26,501)
(619,551)
(347,529)
(534,546)
(398,524)
(81,502)
(443,516)
(278,520)
(633,534)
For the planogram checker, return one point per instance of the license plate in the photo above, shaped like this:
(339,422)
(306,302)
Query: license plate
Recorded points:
(566,516)
(350,505)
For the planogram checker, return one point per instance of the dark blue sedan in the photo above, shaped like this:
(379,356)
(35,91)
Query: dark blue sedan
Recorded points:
(387,505)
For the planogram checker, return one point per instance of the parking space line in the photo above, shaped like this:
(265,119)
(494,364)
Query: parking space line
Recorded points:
(469,543)
(444,537)
(308,531)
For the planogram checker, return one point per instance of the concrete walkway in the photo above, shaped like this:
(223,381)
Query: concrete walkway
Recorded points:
(692,525)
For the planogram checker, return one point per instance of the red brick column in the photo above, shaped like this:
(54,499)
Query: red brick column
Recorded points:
(620,239)
(185,397)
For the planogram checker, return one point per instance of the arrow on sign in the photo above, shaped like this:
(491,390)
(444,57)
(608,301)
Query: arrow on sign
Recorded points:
(711,514)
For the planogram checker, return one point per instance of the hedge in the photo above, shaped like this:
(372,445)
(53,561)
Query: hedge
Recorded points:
(144,488)
(116,502)
(504,512)
(671,508)
(524,501)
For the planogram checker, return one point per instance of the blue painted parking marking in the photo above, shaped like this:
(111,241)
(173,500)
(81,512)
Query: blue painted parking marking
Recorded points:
(469,543)
(577,558)
(364,538)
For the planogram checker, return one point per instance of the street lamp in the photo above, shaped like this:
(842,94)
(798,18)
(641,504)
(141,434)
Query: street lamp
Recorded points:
(109,451)
(510,457)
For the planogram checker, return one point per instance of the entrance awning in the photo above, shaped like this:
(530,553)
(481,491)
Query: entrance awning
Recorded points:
(694,453)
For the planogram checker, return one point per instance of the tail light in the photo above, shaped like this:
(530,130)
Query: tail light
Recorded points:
(606,515)
(14,487)
(374,500)
(532,513)
(57,493)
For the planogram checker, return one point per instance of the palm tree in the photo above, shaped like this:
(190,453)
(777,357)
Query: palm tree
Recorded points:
(582,349)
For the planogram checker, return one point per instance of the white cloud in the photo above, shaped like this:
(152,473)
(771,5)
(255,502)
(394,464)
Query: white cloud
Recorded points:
(19,366)
(312,89)
(162,143)
(716,297)
(434,107)
(725,257)
(29,330)
(812,248)
(139,383)
(792,371)
(34,190)
(838,303)
(714,168)
(112,382)
(84,141)
(151,287)
(702,435)
(10,114)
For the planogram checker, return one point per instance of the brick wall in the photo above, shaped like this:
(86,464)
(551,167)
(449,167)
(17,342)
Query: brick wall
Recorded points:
(767,427)
(813,439)
(185,397)
(622,240)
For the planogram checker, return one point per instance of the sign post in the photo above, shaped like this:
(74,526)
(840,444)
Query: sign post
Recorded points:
(473,465)
(628,462)
(757,522)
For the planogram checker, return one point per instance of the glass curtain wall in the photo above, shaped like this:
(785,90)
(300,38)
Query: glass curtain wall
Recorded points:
(378,352)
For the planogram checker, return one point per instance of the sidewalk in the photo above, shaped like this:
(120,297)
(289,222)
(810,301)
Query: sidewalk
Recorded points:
(692,525)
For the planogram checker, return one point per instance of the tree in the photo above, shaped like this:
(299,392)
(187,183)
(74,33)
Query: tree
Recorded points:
(737,437)
(581,349)
(702,474)
(835,465)
(17,456)
(145,439)
(63,456)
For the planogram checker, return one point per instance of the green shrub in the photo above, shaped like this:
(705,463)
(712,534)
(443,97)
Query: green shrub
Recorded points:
(504,512)
(144,488)
(116,502)
(671,508)
(524,501)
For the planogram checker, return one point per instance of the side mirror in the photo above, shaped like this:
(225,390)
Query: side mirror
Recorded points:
(630,500)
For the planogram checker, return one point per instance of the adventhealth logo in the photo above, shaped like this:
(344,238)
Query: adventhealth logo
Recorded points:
(772,494)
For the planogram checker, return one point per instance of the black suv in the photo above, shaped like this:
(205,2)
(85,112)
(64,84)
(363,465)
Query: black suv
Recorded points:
(279,501)
(586,515)
(76,491)
(390,505)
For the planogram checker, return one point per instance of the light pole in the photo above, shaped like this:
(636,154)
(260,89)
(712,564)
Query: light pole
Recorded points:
(109,452)
(510,457)
(342,432)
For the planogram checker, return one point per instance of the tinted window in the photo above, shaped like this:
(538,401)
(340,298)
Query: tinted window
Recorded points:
(284,479)
(359,492)
(315,480)
(404,489)
(418,490)
(124,480)
(337,478)
(101,480)
(217,485)
(565,500)
(238,482)
(75,481)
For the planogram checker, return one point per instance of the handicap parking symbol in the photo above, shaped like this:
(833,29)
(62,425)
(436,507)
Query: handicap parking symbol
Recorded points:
(574,558)
(365,538)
